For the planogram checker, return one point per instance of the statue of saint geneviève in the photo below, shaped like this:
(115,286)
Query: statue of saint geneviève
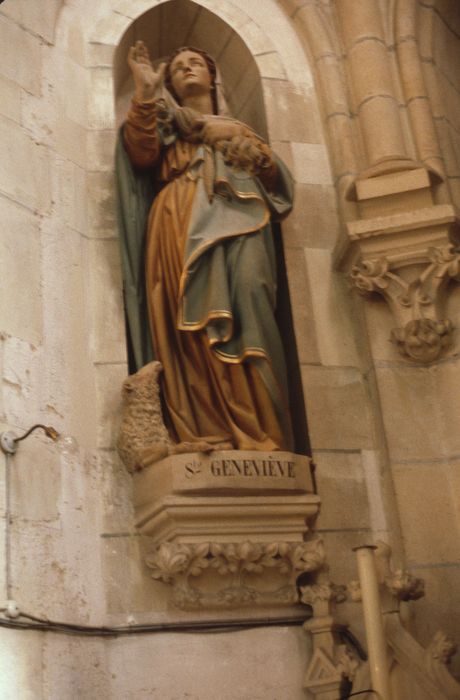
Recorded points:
(198,191)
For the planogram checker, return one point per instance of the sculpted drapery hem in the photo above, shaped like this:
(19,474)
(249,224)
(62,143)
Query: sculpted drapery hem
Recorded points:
(210,284)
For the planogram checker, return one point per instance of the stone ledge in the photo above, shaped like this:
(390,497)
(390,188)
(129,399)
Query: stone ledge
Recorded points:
(234,521)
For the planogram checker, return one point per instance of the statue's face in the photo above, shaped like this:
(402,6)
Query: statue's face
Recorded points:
(190,75)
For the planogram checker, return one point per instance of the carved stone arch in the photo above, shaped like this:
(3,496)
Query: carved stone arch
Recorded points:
(279,55)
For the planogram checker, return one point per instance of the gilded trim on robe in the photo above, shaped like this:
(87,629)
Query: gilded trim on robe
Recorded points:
(211,286)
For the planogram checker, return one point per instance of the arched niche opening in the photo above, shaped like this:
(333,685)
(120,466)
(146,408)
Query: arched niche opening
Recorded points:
(185,23)
(176,23)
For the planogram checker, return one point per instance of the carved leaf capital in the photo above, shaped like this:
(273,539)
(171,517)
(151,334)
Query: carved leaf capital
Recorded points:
(175,563)
(442,647)
(403,586)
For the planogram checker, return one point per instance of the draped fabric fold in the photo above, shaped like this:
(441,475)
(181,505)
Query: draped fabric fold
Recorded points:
(205,277)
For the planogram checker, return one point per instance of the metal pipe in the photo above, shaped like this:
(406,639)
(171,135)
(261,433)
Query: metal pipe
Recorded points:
(373,621)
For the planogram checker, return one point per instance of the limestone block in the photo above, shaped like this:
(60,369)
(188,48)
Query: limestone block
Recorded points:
(301,304)
(20,664)
(2,342)
(109,378)
(337,408)
(69,140)
(251,114)
(360,20)
(174,31)
(108,327)
(247,89)
(98,55)
(133,10)
(346,159)
(445,50)
(339,545)
(63,659)
(447,382)
(411,415)
(428,540)
(376,78)
(284,40)
(333,310)
(283,150)
(28,185)
(3,521)
(216,35)
(379,322)
(257,41)
(38,568)
(53,128)
(342,488)
(314,222)
(10,105)
(68,549)
(116,492)
(447,147)
(454,186)
(35,479)
(74,40)
(286,107)
(381,143)
(67,379)
(70,82)
(440,607)
(69,192)
(23,65)
(230,13)
(101,204)
(38,19)
(101,107)
(20,304)
(311,164)
(110,28)
(234,61)
(270,66)
(333,98)
(250,664)
(21,382)
(129,588)
(101,147)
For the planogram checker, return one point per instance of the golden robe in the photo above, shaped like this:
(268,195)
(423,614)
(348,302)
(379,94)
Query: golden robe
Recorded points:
(208,396)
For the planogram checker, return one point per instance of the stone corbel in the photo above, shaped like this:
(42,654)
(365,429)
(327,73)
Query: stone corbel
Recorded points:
(225,529)
(407,255)
(248,573)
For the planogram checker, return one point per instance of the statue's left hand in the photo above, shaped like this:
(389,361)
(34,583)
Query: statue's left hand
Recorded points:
(220,130)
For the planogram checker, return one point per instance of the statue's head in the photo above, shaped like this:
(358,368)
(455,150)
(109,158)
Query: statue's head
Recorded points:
(191,71)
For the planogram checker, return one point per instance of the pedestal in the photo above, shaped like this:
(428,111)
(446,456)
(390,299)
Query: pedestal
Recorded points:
(237,523)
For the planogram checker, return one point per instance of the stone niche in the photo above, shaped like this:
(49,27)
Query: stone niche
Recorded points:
(229,529)
(223,529)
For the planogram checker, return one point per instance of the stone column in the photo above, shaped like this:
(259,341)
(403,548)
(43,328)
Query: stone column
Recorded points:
(371,82)
(416,96)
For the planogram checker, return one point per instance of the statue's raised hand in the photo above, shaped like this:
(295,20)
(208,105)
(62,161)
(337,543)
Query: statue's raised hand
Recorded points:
(146,78)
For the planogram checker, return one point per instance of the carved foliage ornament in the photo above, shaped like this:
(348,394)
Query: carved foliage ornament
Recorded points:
(176,563)
(420,334)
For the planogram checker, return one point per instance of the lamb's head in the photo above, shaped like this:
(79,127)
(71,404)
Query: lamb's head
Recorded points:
(143,383)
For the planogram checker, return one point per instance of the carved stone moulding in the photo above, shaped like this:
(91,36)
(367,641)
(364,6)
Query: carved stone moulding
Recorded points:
(239,574)
(408,257)
(229,529)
